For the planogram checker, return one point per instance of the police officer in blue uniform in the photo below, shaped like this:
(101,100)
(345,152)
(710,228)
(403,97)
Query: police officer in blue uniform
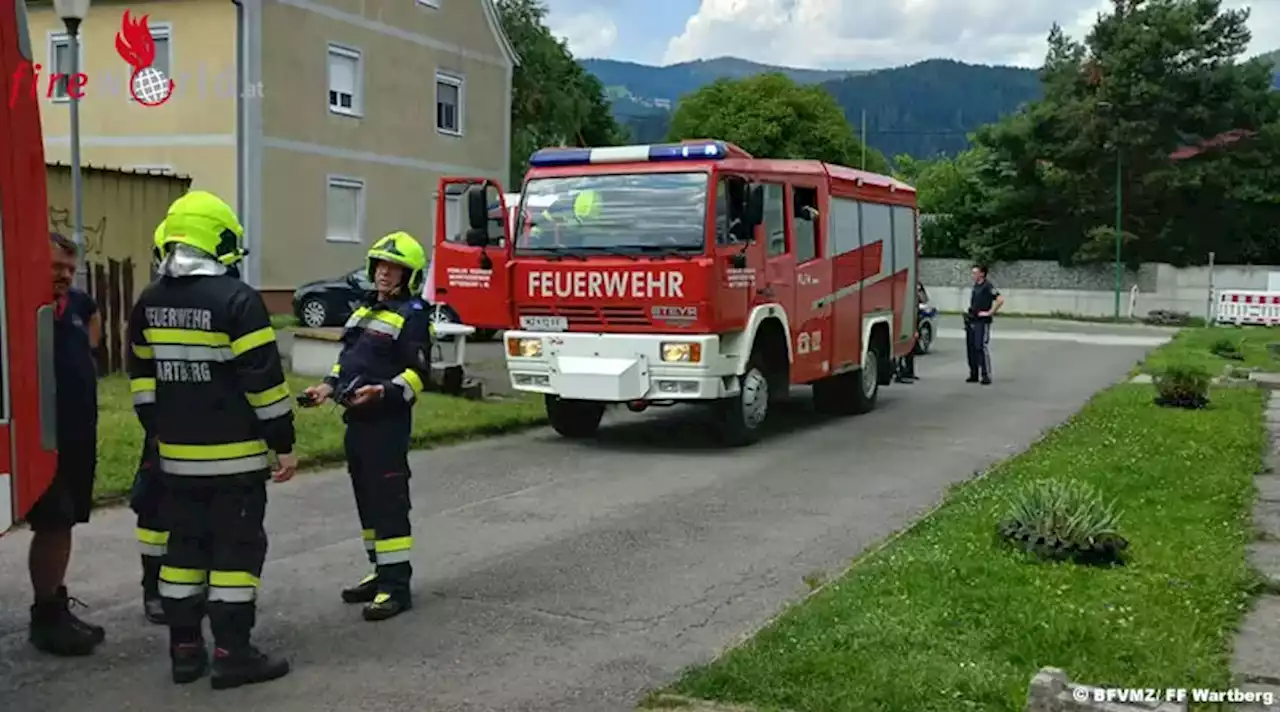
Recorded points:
(383,368)
(69,499)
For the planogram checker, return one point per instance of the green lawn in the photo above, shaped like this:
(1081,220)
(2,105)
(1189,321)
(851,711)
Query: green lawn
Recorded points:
(437,419)
(1195,346)
(948,618)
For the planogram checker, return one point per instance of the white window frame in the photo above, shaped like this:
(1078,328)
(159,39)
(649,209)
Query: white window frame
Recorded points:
(55,39)
(357,98)
(460,82)
(349,183)
(159,30)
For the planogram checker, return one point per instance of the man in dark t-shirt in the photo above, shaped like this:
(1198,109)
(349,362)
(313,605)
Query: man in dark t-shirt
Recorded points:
(69,499)
(984,301)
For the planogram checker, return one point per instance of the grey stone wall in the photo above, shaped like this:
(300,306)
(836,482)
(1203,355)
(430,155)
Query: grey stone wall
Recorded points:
(1035,274)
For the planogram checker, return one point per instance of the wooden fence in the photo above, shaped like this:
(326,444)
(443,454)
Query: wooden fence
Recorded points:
(121,211)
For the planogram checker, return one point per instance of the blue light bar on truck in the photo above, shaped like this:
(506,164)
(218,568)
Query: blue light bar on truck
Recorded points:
(701,151)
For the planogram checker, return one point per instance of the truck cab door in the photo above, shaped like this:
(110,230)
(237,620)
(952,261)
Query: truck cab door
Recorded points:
(471,260)
(28,437)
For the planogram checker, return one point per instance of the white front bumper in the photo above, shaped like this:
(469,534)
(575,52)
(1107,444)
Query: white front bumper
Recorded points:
(619,368)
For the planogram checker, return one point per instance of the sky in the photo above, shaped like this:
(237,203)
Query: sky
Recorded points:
(841,34)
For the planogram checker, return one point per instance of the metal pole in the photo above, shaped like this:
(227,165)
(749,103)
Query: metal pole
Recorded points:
(77,203)
(864,139)
(1209,315)
(1119,217)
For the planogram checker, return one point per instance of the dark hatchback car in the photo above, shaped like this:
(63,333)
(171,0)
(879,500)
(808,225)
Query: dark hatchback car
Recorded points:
(329,302)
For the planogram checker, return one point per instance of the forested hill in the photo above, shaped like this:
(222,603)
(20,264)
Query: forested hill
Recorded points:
(920,110)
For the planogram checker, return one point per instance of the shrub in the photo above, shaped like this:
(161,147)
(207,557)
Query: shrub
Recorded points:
(1168,317)
(1064,520)
(1182,385)
(1227,348)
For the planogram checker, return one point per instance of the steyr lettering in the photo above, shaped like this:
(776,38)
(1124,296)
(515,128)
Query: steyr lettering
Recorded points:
(600,285)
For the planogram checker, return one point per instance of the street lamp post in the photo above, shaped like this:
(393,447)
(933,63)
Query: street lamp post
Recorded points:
(1119,222)
(1119,212)
(73,13)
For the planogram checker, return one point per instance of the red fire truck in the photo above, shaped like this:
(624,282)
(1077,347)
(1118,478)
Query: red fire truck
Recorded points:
(27,395)
(690,272)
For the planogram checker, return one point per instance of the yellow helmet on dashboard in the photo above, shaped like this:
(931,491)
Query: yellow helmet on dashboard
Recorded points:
(402,249)
(204,221)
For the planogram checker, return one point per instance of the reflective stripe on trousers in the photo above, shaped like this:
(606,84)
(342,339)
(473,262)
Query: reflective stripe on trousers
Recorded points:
(233,587)
(393,551)
(181,583)
(152,542)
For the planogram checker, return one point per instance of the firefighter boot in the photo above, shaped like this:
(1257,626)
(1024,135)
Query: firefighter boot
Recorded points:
(57,631)
(363,592)
(188,656)
(152,606)
(387,605)
(245,666)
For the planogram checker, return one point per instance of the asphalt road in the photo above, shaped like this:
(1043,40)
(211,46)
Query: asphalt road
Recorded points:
(560,576)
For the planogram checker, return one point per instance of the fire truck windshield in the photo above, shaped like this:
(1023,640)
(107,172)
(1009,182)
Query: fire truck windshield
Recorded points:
(614,213)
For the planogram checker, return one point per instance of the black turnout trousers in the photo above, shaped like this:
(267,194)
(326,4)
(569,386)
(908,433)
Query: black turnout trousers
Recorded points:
(378,461)
(217,545)
(146,499)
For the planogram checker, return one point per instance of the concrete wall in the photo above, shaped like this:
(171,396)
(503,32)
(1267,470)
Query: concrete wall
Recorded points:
(1043,287)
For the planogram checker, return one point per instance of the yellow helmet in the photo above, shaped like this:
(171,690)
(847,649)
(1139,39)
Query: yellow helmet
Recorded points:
(586,205)
(157,252)
(204,221)
(402,249)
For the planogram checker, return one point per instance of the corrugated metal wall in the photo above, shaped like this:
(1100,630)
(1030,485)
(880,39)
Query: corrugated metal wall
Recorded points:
(121,211)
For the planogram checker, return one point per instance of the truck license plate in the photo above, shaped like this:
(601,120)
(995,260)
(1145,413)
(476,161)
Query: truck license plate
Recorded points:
(544,323)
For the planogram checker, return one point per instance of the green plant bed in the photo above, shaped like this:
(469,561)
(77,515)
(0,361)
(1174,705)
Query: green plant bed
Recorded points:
(1182,385)
(945,618)
(1061,520)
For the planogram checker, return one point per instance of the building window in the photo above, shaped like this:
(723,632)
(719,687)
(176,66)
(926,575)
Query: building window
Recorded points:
(344,80)
(449,98)
(60,59)
(345,203)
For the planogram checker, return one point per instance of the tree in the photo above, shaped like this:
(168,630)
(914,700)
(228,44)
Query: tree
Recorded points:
(1151,76)
(554,102)
(771,116)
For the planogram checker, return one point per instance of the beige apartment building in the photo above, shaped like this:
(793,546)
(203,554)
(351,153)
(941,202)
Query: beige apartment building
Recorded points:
(328,123)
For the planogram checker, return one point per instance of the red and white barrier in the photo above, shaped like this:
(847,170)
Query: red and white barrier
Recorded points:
(1248,306)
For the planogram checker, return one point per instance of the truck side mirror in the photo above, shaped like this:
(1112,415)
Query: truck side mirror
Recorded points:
(755,206)
(477,210)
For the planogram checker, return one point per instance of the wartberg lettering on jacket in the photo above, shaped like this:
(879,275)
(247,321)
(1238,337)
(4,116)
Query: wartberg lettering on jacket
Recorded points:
(638,284)
(183,371)
(179,318)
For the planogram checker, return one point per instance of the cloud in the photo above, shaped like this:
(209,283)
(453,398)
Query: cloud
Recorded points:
(589,34)
(861,35)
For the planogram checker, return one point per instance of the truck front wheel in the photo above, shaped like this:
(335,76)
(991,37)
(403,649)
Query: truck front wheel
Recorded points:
(574,418)
(742,417)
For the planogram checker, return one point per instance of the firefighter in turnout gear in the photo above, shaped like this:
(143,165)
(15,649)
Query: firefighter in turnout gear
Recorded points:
(202,345)
(383,368)
(148,490)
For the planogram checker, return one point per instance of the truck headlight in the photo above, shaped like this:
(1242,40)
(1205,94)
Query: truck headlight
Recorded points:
(681,352)
(524,348)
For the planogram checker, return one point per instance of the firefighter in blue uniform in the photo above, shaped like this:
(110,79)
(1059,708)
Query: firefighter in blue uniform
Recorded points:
(201,343)
(148,490)
(383,367)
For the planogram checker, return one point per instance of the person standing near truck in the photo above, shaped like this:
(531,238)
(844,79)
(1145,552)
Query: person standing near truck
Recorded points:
(202,340)
(147,494)
(985,301)
(69,499)
(384,366)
